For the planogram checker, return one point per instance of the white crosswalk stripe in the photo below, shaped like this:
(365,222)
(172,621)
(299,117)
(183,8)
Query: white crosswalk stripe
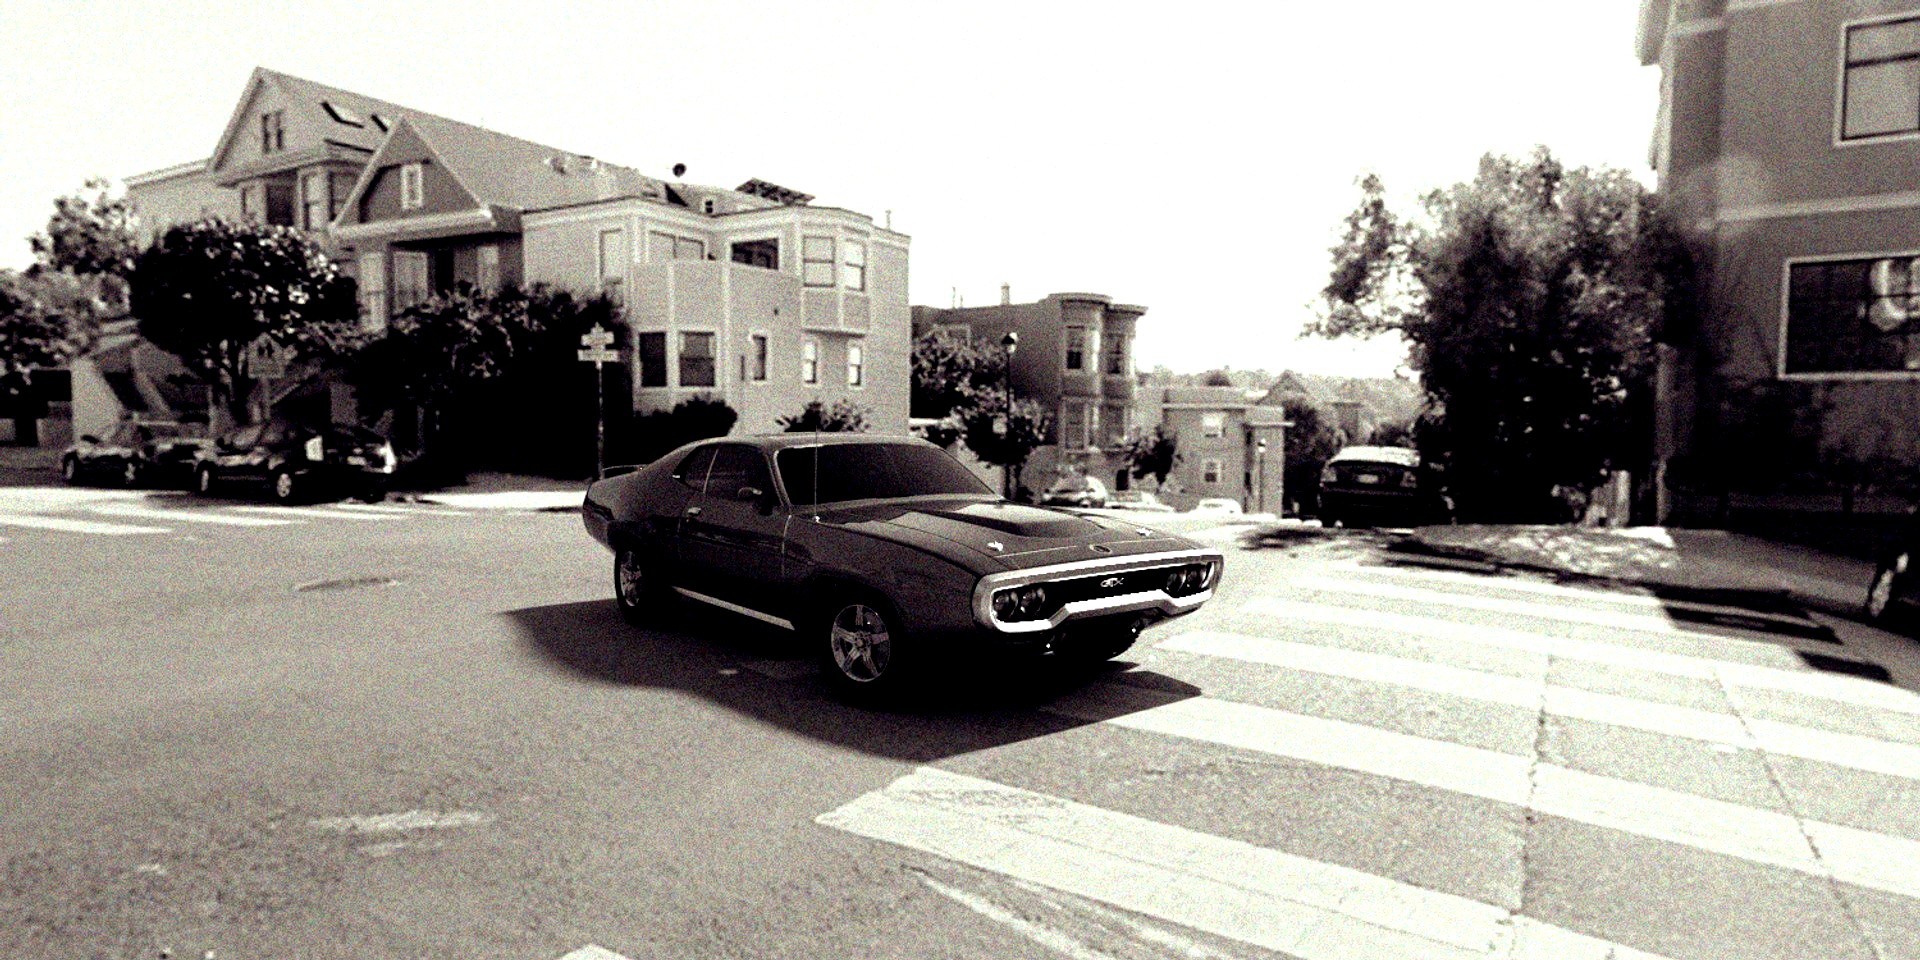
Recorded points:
(304,512)
(71,525)
(1632,600)
(185,516)
(1382,649)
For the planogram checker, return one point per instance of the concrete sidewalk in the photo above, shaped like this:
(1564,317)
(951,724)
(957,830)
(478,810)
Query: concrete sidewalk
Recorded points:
(505,491)
(1703,561)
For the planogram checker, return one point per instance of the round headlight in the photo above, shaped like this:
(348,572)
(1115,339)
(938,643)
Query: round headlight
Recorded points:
(1004,603)
(1031,599)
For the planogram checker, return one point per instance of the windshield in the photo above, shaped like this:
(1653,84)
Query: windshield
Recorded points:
(870,471)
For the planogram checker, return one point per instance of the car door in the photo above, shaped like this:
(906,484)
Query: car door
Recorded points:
(664,512)
(231,453)
(731,538)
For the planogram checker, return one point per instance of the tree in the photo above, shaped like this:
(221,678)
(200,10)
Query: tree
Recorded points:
(1216,378)
(1311,442)
(950,372)
(844,416)
(209,292)
(661,432)
(1530,297)
(1154,455)
(1395,434)
(1002,440)
(33,335)
(89,233)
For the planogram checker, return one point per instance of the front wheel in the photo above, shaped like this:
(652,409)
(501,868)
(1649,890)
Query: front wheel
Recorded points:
(284,487)
(861,648)
(634,589)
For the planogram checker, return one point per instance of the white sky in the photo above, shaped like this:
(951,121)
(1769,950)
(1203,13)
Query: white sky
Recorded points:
(1193,157)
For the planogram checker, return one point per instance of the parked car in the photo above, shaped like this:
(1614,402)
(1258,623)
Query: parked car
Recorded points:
(1137,500)
(1075,492)
(1217,505)
(884,556)
(291,461)
(1365,486)
(133,453)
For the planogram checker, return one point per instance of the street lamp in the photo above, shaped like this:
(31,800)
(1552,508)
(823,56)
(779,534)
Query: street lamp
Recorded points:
(1260,474)
(1009,343)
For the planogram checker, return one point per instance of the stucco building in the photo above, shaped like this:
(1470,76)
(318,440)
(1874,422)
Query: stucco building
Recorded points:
(1075,358)
(1789,133)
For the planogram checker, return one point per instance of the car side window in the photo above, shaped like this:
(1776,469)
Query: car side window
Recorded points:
(244,438)
(736,466)
(693,470)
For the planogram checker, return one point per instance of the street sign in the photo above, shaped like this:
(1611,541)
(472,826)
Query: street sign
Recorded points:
(598,355)
(594,349)
(597,337)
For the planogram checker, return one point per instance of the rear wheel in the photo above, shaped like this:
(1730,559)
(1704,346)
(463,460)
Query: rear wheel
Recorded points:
(636,591)
(284,487)
(860,649)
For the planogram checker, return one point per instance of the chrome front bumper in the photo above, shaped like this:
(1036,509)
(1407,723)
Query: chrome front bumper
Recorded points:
(1146,600)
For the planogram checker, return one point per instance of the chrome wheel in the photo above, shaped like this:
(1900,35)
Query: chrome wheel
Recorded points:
(204,480)
(861,643)
(1880,594)
(630,586)
(283,486)
(69,469)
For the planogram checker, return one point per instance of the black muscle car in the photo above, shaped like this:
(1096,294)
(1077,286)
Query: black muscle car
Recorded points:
(293,461)
(133,453)
(884,555)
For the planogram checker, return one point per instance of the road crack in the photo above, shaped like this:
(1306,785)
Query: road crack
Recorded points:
(1529,817)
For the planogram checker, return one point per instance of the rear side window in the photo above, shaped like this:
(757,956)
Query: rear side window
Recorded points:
(693,470)
(735,467)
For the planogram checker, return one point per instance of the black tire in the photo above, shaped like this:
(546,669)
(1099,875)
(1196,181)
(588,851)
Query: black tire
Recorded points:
(640,595)
(70,470)
(1882,592)
(284,487)
(203,481)
(859,641)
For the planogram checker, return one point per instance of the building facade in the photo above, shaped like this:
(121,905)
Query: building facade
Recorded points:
(749,295)
(1232,446)
(1075,358)
(1789,134)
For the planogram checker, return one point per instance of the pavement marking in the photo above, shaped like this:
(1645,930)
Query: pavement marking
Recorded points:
(1055,940)
(1566,613)
(317,512)
(1790,675)
(69,525)
(408,820)
(1170,943)
(400,510)
(1229,888)
(1848,854)
(1837,749)
(1644,601)
(187,515)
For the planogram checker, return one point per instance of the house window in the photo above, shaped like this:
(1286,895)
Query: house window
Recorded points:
(1853,316)
(1076,348)
(373,291)
(1073,433)
(856,366)
(757,253)
(1880,91)
(810,361)
(313,197)
(411,283)
(412,187)
(280,203)
(1213,424)
(1116,354)
(613,245)
(759,361)
(706,206)
(696,360)
(340,184)
(273,132)
(1115,419)
(487,267)
(853,273)
(1211,471)
(653,359)
(816,254)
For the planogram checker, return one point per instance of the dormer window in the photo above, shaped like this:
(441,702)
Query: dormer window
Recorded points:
(707,206)
(273,132)
(412,187)
(341,114)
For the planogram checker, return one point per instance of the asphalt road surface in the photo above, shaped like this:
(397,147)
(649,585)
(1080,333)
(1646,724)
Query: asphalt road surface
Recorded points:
(407,730)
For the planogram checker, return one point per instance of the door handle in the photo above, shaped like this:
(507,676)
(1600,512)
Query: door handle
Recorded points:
(693,511)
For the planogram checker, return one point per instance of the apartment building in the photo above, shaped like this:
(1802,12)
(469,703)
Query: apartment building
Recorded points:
(1231,443)
(1075,358)
(752,295)
(1789,131)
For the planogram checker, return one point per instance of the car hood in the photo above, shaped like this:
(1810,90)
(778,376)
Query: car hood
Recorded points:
(1015,534)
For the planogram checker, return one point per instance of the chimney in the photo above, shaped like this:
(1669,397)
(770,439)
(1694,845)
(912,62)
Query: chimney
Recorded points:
(1006,294)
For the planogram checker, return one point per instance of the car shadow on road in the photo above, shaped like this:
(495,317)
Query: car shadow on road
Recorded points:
(761,672)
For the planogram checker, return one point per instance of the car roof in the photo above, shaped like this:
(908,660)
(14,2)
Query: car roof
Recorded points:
(785,441)
(1397,455)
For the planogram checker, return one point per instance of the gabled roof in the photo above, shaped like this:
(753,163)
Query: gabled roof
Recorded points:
(508,171)
(1387,398)
(1207,396)
(328,109)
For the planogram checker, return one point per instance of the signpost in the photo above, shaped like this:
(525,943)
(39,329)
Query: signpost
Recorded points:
(596,349)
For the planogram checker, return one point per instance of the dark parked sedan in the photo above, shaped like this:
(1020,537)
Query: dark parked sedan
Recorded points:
(293,462)
(884,555)
(1364,486)
(1895,590)
(134,453)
